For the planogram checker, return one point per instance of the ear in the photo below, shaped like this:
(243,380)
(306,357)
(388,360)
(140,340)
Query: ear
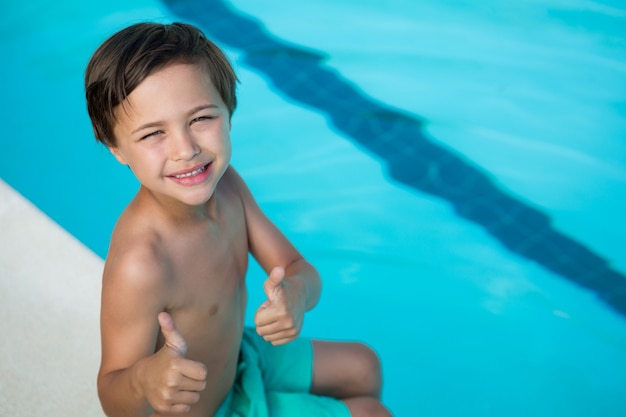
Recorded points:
(118,155)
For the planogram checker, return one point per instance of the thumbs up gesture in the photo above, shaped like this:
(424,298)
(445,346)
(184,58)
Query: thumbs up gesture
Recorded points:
(171,382)
(279,319)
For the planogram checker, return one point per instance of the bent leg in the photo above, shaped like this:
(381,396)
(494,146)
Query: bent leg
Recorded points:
(350,372)
(344,370)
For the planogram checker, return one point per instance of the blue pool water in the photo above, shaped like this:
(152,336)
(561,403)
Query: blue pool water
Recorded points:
(457,172)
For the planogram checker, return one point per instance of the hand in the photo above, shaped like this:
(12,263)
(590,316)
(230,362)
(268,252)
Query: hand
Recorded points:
(171,383)
(279,319)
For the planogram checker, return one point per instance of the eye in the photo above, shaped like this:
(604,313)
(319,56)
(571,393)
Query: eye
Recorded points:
(202,119)
(151,134)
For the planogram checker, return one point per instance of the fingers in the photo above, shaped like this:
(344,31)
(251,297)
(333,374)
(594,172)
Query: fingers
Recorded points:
(195,371)
(182,386)
(274,320)
(266,315)
(274,330)
(286,326)
(176,342)
(175,382)
(173,338)
(189,384)
(279,337)
(178,402)
(281,341)
(273,281)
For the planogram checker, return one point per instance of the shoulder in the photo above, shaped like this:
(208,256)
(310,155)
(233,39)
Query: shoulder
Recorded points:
(232,180)
(137,265)
(235,183)
(235,190)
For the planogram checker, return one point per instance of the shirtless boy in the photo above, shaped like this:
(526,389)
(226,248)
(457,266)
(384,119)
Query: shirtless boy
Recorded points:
(161,97)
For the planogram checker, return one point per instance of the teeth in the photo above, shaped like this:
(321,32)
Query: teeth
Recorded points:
(190,174)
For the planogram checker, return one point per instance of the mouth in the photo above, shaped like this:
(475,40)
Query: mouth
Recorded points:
(193,176)
(192,173)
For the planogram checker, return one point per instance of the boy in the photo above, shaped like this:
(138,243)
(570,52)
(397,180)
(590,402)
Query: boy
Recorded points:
(161,97)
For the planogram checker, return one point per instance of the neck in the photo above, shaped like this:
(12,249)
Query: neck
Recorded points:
(176,211)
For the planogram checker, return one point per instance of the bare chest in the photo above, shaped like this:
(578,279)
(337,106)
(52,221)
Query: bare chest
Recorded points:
(208,264)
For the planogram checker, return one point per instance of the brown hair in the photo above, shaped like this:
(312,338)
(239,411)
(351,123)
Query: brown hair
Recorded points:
(124,60)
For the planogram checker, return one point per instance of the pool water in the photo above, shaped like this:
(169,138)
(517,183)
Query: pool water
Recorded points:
(456,171)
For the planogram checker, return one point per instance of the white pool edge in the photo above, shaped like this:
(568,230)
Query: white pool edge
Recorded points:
(49,308)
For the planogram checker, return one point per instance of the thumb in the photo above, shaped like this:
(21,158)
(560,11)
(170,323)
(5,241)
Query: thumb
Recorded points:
(173,338)
(273,281)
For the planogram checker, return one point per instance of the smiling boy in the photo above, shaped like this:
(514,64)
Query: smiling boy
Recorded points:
(161,97)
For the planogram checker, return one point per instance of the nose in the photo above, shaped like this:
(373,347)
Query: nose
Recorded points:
(183,146)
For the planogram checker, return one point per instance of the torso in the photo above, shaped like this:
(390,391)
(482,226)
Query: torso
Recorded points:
(206,290)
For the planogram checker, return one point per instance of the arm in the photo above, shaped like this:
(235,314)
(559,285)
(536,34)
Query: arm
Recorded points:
(293,286)
(129,382)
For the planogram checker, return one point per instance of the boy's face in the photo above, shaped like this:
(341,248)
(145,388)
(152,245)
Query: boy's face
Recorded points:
(173,132)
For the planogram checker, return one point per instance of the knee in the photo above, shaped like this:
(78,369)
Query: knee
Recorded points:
(368,372)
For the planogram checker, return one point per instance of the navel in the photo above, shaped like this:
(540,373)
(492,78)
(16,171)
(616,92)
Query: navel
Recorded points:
(214,309)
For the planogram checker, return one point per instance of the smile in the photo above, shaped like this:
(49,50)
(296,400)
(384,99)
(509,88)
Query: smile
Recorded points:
(192,173)
(195,176)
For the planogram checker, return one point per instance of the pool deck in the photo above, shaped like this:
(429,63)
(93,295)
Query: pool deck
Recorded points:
(49,310)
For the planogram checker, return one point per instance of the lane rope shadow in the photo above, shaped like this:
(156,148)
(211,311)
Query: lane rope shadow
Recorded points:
(399,139)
